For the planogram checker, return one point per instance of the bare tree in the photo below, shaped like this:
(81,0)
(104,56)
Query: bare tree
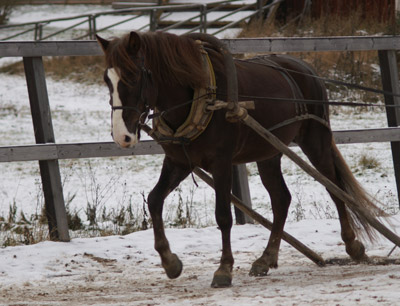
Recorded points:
(6,7)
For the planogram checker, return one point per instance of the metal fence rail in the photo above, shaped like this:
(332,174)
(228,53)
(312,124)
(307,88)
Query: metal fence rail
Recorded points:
(154,14)
(48,152)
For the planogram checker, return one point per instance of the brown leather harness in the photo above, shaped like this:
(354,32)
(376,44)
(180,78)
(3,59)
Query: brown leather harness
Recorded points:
(205,103)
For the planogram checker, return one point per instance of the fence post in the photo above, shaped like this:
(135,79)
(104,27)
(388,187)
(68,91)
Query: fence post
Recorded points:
(390,82)
(38,31)
(49,169)
(153,21)
(240,188)
(92,26)
(260,4)
(203,19)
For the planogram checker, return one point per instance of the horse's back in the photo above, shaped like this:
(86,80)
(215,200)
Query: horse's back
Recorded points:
(307,80)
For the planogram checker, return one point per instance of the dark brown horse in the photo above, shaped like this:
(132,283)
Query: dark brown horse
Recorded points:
(160,71)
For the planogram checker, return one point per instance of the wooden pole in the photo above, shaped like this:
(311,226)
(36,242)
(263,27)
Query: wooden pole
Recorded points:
(390,83)
(49,169)
(240,188)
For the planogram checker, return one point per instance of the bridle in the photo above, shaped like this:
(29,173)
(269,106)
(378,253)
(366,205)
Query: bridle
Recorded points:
(146,77)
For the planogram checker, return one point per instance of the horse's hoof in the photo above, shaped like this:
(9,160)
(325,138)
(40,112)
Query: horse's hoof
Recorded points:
(262,265)
(221,281)
(174,267)
(259,270)
(356,250)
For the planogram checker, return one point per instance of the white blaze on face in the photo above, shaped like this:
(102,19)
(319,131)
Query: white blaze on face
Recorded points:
(121,135)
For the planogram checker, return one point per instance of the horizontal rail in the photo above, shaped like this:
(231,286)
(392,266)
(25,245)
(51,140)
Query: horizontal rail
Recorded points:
(109,149)
(49,48)
(311,44)
(75,150)
(105,13)
(236,46)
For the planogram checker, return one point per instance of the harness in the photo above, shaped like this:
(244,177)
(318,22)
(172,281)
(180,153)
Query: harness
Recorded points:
(204,103)
(301,108)
(199,116)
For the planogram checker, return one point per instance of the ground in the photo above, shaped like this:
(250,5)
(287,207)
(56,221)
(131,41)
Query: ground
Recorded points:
(125,270)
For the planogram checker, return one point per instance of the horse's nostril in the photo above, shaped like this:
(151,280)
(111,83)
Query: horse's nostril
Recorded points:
(127,138)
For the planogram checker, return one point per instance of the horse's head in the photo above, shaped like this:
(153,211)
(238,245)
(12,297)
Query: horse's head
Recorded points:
(131,87)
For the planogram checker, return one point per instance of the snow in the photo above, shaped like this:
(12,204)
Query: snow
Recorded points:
(123,270)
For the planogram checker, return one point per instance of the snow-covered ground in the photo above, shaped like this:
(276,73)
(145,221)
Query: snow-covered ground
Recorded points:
(125,270)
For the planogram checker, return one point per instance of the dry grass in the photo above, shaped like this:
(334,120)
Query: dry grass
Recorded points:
(82,69)
(354,67)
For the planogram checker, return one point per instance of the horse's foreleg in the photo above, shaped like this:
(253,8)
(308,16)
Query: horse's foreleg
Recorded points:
(272,179)
(171,176)
(223,182)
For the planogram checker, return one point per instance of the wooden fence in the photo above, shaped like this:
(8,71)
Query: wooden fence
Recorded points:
(65,2)
(47,152)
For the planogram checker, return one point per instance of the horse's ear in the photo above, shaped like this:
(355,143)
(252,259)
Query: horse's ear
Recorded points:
(103,43)
(134,42)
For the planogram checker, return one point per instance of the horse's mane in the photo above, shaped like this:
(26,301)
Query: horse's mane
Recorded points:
(172,59)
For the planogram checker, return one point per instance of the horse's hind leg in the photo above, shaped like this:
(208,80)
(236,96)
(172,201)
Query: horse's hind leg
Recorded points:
(171,176)
(317,144)
(272,179)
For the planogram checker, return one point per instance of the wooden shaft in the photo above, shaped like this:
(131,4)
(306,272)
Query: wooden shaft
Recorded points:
(348,200)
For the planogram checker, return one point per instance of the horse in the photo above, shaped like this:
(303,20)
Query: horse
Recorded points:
(161,72)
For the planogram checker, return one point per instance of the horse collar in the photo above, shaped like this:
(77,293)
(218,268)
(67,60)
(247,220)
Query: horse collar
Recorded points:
(198,118)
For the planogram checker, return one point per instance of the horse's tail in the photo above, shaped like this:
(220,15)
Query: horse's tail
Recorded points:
(350,185)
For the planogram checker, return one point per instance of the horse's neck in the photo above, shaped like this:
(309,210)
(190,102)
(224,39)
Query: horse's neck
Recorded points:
(173,101)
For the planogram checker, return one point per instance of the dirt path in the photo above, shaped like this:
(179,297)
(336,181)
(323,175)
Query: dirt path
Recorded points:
(91,280)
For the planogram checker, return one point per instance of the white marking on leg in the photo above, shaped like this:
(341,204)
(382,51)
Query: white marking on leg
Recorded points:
(119,129)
